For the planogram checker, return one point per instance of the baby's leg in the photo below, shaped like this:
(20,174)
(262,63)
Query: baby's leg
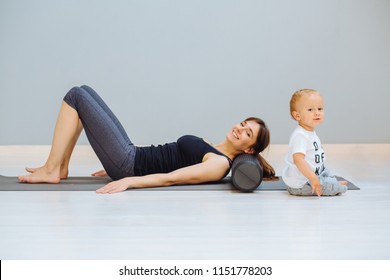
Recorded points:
(330,186)
(305,190)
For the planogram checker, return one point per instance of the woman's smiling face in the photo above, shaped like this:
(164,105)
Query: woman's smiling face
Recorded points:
(244,135)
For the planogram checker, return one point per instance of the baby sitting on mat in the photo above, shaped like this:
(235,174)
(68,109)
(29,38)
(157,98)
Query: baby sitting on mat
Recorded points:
(305,173)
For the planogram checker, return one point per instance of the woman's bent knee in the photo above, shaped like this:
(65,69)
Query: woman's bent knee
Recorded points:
(74,95)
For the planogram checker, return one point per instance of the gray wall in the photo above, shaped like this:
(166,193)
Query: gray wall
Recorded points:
(169,68)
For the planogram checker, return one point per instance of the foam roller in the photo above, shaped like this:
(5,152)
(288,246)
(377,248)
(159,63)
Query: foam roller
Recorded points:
(247,173)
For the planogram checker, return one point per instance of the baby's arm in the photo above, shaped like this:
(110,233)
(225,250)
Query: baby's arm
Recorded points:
(304,168)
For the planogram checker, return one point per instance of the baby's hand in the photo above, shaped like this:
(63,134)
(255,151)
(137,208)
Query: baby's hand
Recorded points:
(316,187)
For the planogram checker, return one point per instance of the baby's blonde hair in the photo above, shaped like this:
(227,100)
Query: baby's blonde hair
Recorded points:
(297,96)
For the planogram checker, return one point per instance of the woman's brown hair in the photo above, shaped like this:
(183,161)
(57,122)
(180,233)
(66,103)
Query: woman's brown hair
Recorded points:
(262,142)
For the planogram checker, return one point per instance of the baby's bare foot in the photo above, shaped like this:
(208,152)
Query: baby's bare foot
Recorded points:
(343,182)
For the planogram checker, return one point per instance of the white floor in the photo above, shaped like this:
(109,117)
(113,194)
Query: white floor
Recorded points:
(200,224)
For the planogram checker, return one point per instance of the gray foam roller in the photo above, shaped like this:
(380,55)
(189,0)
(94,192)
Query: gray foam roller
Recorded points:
(247,173)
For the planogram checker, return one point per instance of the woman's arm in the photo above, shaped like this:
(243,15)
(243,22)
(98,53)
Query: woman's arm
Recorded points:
(213,168)
(300,162)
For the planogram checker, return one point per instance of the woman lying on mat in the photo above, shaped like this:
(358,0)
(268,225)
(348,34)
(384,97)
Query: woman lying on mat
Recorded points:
(190,160)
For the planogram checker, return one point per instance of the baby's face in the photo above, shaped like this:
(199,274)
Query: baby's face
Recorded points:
(310,111)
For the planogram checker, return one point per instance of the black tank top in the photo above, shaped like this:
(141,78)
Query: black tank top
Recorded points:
(188,150)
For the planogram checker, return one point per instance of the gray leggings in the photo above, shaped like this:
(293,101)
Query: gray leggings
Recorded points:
(105,133)
(330,186)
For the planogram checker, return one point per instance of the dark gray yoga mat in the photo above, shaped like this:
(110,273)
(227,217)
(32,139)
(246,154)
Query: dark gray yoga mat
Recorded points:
(93,183)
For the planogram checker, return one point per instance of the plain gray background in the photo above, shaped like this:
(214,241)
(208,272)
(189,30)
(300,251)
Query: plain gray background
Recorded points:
(169,68)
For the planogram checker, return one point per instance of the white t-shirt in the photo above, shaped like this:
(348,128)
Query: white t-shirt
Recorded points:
(307,143)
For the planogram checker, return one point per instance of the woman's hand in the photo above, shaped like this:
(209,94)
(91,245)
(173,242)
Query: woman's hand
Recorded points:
(114,187)
(100,173)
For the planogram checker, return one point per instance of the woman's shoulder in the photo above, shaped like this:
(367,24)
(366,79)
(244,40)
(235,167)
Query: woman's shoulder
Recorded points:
(190,140)
(189,137)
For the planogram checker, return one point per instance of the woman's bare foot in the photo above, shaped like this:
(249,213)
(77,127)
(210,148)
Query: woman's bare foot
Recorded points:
(63,172)
(100,173)
(42,175)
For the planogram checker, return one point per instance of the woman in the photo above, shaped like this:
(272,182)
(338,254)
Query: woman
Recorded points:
(190,160)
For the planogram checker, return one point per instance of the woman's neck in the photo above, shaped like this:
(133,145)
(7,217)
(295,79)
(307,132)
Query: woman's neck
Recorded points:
(227,149)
